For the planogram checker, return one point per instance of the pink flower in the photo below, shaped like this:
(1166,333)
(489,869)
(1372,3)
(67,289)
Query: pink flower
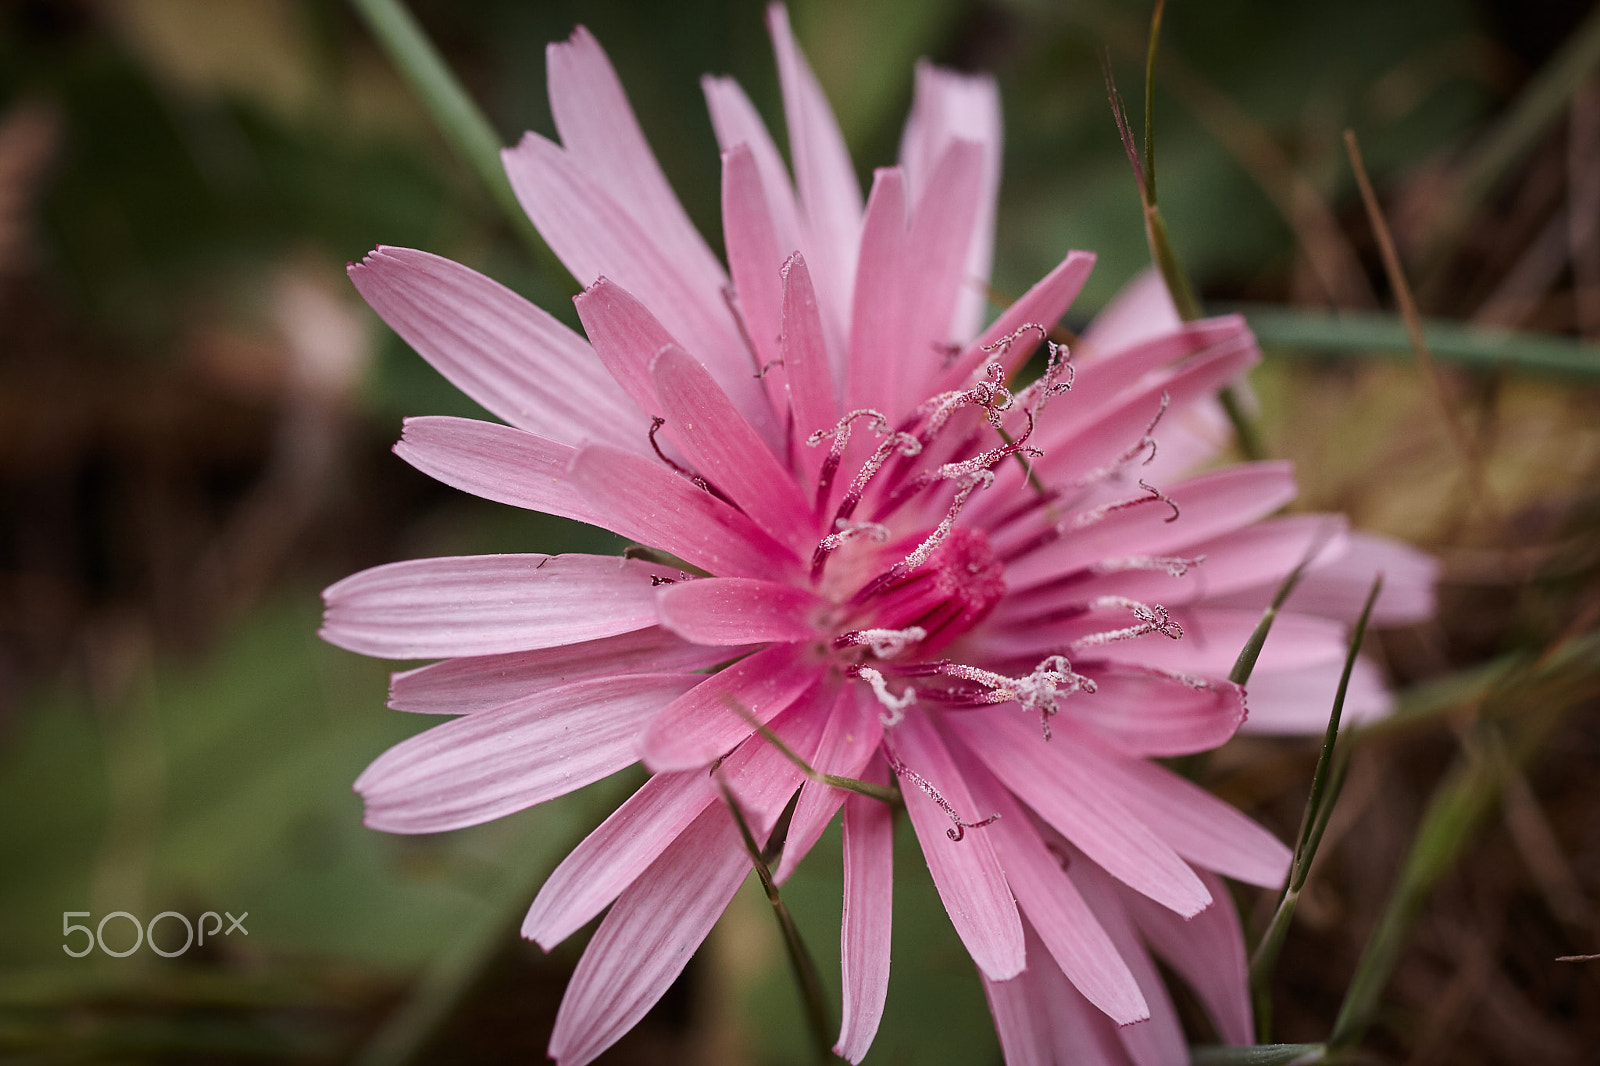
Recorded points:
(880,546)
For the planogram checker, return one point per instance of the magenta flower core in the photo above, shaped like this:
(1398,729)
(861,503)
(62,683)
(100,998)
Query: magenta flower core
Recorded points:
(874,536)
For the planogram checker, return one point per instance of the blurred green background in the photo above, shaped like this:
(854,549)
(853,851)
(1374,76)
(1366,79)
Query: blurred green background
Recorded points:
(195,411)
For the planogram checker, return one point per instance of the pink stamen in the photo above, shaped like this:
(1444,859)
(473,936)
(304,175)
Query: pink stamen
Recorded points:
(1152,619)
(959,830)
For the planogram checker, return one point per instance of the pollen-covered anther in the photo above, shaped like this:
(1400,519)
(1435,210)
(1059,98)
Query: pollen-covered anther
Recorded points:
(1151,619)
(919,555)
(1174,565)
(955,832)
(1039,691)
(884,643)
(894,706)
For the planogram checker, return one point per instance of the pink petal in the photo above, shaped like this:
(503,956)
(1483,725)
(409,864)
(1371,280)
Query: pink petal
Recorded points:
(486,604)
(1197,825)
(645,942)
(948,106)
(1257,554)
(737,123)
(829,194)
(1075,448)
(475,683)
(1209,506)
(483,766)
(1048,777)
(1142,309)
(880,322)
(513,358)
(852,736)
(755,257)
(1338,588)
(1157,1041)
(806,365)
(496,462)
(706,723)
(1104,377)
(626,336)
(613,856)
(601,135)
(935,267)
(1053,906)
(1043,1020)
(644,501)
(594,236)
(864,924)
(712,608)
(1043,304)
(1151,715)
(1300,700)
(1207,951)
(1213,638)
(723,449)
(966,872)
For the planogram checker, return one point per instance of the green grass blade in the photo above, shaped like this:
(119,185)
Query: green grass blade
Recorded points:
(1260,1055)
(454,112)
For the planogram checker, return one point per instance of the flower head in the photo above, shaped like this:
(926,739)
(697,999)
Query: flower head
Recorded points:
(873,538)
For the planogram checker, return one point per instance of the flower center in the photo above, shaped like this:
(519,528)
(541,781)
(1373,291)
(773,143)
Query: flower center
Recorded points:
(951,591)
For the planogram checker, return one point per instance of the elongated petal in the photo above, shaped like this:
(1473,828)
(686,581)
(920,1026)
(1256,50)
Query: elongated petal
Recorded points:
(966,872)
(806,364)
(626,336)
(1043,304)
(496,462)
(755,256)
(1157,1041)
(1152,715)
(1208,953)
(949,106)
(879,326)
(1043,1020)
(645,942)
(935,266)
(707,722)
(613,856)
(1046,776)
(486,765)
(595,236)
(486,604)
(720,610)
(1208,506)
(736,122)
(1338,588)
(642,500)
(1300,700)
(1196,824)
(1053,906)
(512,357)
(864,924)
(1103,377)
(852,736)
(1213,637)
(475,683)
(1141,310)
(725,450)
(824,175)
(601,135)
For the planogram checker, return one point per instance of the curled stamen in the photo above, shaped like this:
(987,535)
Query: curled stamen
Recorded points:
(1047,385)
(970,484)
(989,393)
(656,422)
(955,832)
(1157,494)
(840,435)
(765,369)
(1152,619)
(1004,344)
(1174,565)
(884,643)
(1040,690)
(894,705)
